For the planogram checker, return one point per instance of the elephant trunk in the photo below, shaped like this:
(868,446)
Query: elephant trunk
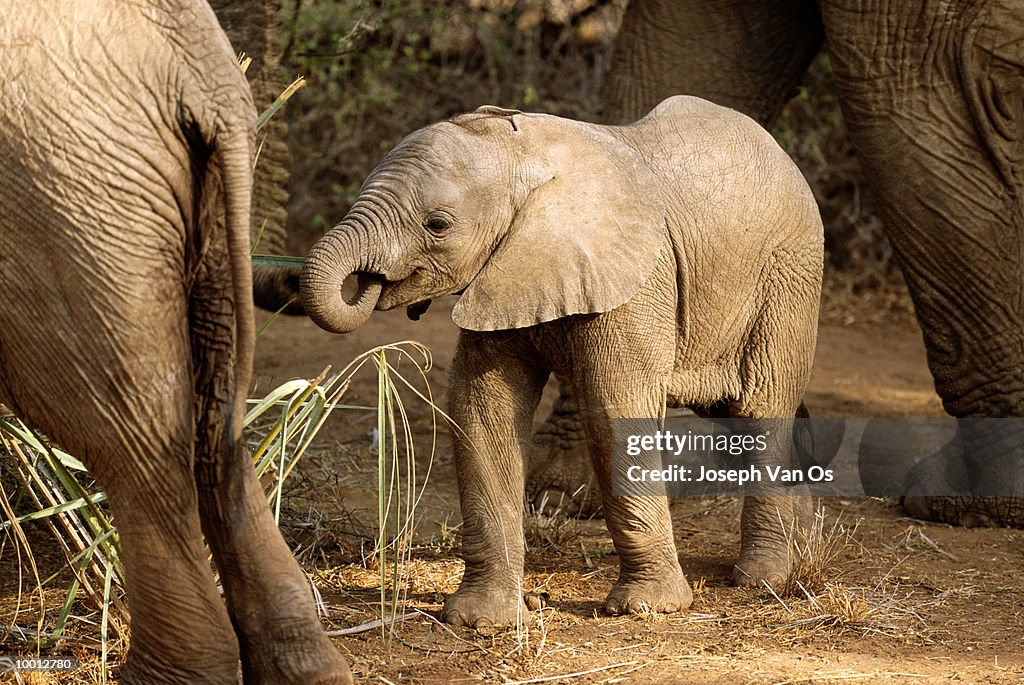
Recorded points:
(329,263)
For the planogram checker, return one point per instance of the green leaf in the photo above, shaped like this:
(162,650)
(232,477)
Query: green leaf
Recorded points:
(277,260)
(279,102)
(95,498)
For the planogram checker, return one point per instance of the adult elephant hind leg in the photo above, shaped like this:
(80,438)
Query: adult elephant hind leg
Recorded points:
(120,398)
(492,399)
(268,595)
(938,133)
(975,479)
(747,55)
(948,182)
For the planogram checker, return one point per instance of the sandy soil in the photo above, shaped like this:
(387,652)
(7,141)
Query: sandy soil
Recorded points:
(903,601)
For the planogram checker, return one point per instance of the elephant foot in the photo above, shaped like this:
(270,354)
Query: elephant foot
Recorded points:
(485,609)
(664,593)
(139,669)
(949,510)
(761,567)
(773,531)
(945,486)
(969,512)
(301,654)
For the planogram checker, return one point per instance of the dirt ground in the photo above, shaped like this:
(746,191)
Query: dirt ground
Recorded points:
(902,600)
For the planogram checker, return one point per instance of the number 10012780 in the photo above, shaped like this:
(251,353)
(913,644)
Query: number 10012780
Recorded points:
(26,664)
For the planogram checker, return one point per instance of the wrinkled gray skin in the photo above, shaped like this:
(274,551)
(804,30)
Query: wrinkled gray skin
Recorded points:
(932,93)
(126,333)
(676,260)
(254,27)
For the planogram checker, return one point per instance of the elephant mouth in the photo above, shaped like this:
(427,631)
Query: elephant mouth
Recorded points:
(338,297)
(359,283)
(415,291)
(417,309)
(390,295)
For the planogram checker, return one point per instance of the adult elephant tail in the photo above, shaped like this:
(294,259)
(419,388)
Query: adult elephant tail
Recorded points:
(234,147)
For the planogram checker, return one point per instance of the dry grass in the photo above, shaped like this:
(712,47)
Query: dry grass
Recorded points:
(557,531)
(818,553)
(840,592)
(886,608)
(819,599)
(727,632)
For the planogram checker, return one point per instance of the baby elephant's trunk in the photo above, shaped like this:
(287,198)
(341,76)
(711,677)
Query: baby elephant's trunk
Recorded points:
(329,263)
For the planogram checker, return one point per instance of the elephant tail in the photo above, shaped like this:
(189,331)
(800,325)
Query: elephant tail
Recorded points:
(234,146)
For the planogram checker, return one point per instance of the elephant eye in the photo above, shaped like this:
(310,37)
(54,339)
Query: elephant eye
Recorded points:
(437,224)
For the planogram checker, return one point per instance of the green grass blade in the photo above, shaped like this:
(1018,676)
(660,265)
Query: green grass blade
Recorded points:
(104,646)
(278,260)
(95,498)
(292,88)
(259,234)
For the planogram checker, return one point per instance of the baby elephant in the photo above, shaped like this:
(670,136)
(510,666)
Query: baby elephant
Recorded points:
(673,261)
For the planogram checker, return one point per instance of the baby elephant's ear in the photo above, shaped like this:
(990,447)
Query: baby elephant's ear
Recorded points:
(582,243)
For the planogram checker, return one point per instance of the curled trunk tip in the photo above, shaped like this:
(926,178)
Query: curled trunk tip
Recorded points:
(321,283)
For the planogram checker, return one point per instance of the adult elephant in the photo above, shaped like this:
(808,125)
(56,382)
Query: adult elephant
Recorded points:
(254,27)
(126,323)
(933,94)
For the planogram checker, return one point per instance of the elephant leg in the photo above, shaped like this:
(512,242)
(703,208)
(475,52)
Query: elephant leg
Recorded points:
(976,479)
(747,55)
(268,596)
(775,518)
(113,385)
(276,288)
(650,578)
(934,107)
(938,132)
(180,631)
(492,399)
(967,510)
(559,475)
(774,376)
(627,380)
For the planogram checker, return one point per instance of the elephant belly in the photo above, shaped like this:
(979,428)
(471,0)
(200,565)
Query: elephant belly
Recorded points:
(700,386)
